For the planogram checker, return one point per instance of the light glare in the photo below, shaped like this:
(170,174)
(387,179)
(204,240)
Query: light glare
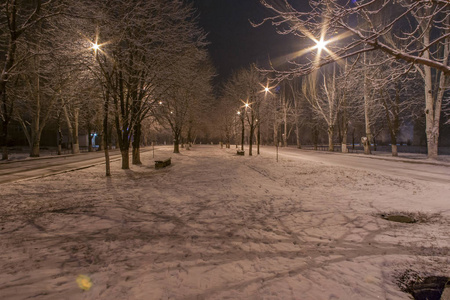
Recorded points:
(321,44)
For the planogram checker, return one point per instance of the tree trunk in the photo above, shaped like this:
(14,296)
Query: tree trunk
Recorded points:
(242,134)
(125,158)
(431,117)
(4,139)
(315,137)
(394,149)
(73,130)
(104,139)
(59,139)
(176,146)
(353,139)
(366,112)
(136,160)
(344,123)
(366,145)
(297,133)
(136,156)
(117,143)
(4,76)
(330,138)
(275,133)
(101,141)
(176,143)
(125,151)
(250,139)
(344,139)
(59,134)
(433,103)
(258,137)
(90,137)
(76,143)
(34,151)
(432,140)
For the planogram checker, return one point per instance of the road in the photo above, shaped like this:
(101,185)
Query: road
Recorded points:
(32,168)
(421,170)
(440,173)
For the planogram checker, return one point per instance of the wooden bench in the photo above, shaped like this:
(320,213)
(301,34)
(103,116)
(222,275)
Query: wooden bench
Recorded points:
(162,163)
(240,152)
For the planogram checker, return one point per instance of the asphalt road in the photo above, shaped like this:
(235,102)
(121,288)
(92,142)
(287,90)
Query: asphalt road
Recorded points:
(32,168)
(409,168)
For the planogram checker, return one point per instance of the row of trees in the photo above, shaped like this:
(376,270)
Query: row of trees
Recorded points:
(379,63)
(331,100)
(399,43)
(103,65)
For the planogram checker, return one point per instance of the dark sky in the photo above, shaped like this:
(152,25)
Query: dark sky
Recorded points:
(234,42)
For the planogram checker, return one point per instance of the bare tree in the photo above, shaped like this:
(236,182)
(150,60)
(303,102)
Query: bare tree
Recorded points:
(35,101)
(397,97)
(286,111)
(16,18)
(328,21)
(138,65)
(184,98)
(225,115)
(325,100)
(297,110)
(247,88)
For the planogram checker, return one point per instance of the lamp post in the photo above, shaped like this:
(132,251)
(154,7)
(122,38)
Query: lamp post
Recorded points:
(96,48)
(235,131)
(258,121)
(241,115)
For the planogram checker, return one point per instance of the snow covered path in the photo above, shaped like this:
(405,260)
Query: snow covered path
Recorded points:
(422,169)
(219,226)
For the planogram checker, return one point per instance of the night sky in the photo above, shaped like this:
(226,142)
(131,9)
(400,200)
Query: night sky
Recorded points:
(234,42)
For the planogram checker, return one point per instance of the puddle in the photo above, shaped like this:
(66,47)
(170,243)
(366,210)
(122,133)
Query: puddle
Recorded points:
(431,288)
(399,218)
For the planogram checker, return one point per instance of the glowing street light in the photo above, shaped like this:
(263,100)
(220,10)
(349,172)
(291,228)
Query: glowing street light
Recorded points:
(95,46)
(321,44)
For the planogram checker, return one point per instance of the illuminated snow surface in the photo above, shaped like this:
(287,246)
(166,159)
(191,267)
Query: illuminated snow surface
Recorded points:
(215,225)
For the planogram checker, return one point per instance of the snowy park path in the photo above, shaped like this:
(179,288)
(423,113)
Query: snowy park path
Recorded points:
(214,225)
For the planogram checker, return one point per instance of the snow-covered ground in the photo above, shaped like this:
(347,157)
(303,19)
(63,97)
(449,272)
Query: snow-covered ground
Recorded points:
(214,225)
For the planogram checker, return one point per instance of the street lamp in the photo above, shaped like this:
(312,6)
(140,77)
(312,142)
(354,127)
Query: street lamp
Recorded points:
(321,44)
(241,115)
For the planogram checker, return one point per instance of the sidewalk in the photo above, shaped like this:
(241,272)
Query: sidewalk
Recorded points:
(217,226)
(443,160)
